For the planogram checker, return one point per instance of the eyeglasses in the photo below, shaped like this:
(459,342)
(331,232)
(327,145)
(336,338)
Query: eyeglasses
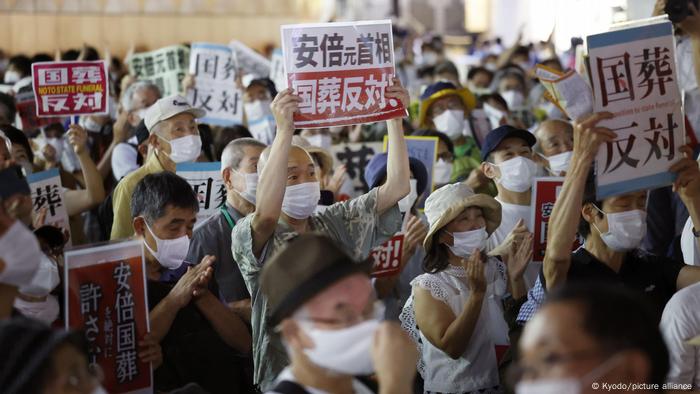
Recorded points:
(346,317)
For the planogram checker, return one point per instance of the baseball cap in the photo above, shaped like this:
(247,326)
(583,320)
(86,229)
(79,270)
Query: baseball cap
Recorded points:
(499,134)
(167,107)
(305,267)
(375,171)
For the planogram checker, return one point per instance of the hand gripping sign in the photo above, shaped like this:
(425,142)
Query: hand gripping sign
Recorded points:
(340,71)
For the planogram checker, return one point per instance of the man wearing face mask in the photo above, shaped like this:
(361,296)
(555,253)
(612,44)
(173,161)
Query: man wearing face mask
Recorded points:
(588,336)
(555,144)
(445,108)
(173,139)
(239,170)
(320,138)
(17,264)
(256,106)
(442,170)
(287,195)
(325,309)
(201,338)
(612,228)
(507,155)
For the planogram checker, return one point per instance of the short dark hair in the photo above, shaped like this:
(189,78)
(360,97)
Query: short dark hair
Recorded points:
(589,197)
(205,135)
(22,63)
(16,136)
(155,192)
(228,134)
(8,102)
(479,70)
(265,83)
(41,57)
(496,97)
(446,67)
(70,54)
(434,133)
(618,319)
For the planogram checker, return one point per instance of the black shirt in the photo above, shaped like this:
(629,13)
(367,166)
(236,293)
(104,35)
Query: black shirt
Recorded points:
(652,275)
(194,352)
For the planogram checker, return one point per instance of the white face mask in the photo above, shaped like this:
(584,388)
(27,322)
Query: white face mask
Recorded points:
(625,229)
(89,124)
(27,167)
(257,109)
(477,90)
(11,77)
(407,202)
(567,385)
(300,200)
(450,122)
(464,243)
(494,114)
(185,149)
(170,253)
(429,58)
(514,99)
(45,279)
(57,144)
(251,187)
(517,174)
(21,263)
(442,172)
(45,311)
(324,141)
(560,162)
(347,351)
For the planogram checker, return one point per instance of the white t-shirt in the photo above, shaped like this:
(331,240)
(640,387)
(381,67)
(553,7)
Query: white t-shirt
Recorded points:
(124,160)
(689,244)
(688,83)
(510,214)
(680,322)
(287,375)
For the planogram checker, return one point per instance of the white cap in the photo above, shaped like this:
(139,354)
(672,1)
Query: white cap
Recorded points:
(167,107)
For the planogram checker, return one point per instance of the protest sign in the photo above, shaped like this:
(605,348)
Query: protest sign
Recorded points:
(166,67)
(568,91)
(386,257)
(215,88)
(633,74)
(424,149)
(208,185)
(544,195)
(355,156)
(277,70)
(105,289)
(249,61)
(47,192)
(26,109)
(340,71)
(71,88)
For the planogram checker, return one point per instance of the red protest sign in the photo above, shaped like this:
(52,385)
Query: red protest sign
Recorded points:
(70,88)
(341,72)
(387,257)
(106,298)
(544,196)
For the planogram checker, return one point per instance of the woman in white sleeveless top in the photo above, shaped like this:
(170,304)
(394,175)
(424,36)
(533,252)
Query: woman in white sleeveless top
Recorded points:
(455,312)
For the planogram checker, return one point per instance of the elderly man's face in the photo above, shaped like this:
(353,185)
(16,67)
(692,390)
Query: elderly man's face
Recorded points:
(300,167)
(555,137)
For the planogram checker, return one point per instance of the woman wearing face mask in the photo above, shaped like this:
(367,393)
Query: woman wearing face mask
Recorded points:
(256,105)
(456,312)
(445,108)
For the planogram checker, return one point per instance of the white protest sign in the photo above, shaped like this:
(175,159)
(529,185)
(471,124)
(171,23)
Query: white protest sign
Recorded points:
(215,88)
(355,156)
(250,61)
(166,67)
(340,71)
(47,192)
(277,70)
(208,185)
(634,76)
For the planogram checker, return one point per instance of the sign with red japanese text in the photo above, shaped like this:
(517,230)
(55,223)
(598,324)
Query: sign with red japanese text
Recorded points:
(47,193)
(215,88)
(355,156)
(424,149)
(26,109)
(386,257)
(105,289)
(71,88)
(208,185)
(544,195)
(340,71)
(633,74)
(165,67)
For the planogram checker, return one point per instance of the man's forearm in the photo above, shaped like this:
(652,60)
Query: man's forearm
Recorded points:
(398,176)
(226,323)
(162,318)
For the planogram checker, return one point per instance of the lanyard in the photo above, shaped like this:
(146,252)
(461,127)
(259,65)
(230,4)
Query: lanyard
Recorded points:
(226,215)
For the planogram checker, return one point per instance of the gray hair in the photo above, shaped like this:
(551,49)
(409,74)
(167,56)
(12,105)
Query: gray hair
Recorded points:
(233,152)
(127,100)
(549,123)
